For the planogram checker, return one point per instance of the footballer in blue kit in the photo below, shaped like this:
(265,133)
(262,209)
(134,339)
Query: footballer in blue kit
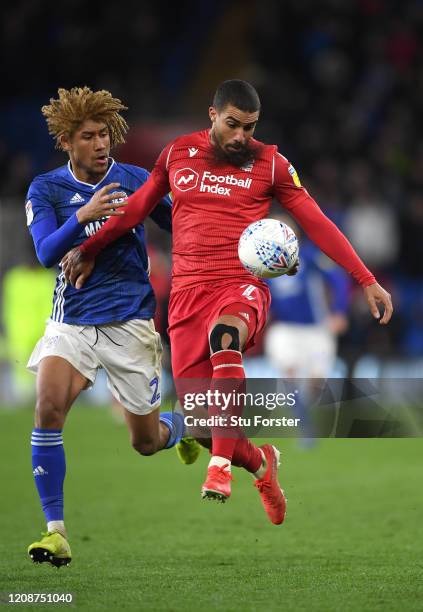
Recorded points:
(106,324)
(119,289)
(308,312)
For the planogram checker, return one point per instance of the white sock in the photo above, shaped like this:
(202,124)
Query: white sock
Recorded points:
(220,462)
(57,526)
(262,469)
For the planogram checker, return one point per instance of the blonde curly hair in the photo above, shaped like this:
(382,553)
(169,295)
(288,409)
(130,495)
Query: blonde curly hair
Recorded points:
(76,105)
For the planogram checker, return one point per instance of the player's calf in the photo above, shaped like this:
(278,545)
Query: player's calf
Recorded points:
(146,446)
(154,431)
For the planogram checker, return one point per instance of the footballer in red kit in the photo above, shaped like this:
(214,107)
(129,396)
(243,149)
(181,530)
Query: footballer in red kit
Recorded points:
(221,180)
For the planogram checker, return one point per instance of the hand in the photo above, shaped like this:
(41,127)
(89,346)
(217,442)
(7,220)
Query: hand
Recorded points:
(76,267)
(375,294)
(294,269)
(103,204)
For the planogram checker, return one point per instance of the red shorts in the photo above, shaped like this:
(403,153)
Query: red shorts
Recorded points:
(191,314)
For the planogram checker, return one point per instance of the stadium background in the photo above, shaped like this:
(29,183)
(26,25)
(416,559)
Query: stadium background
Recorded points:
(342,90)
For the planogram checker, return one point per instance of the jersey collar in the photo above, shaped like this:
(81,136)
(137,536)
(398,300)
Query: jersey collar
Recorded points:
(89,184)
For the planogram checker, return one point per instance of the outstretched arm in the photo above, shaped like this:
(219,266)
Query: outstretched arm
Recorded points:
(332,241)
(327,236)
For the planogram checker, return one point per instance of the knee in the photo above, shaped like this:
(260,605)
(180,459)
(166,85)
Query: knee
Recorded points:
(49,413)
(224,337)
(145,446)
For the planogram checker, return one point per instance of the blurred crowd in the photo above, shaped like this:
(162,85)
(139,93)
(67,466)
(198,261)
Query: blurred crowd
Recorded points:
(341,83)
(346,79)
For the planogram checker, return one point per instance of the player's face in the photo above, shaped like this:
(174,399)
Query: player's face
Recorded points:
(89,149)
(232,129)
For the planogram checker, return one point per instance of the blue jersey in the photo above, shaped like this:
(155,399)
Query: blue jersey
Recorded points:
(303,298)
(119,288)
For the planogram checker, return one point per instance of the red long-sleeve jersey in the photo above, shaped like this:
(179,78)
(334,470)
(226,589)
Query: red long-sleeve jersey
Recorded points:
(213,202)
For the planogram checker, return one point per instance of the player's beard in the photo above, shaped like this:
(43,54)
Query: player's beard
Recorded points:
(238,157)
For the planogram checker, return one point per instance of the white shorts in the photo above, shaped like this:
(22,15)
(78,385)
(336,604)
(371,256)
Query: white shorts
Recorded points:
(301,351)
(129,352)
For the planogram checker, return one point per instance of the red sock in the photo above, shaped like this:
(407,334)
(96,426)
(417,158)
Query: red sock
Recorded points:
(247,455)
(227,366)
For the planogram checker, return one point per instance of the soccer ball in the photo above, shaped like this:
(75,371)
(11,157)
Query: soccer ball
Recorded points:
(268,248)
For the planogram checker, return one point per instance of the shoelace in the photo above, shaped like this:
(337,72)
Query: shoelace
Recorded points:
(221,472)
(265,487)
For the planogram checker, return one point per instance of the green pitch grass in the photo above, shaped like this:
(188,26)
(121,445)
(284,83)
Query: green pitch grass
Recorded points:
(142,539)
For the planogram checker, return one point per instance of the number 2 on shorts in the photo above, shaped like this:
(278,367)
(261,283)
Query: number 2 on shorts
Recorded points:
(154,384)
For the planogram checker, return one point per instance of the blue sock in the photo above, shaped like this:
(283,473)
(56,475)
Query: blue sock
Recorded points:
(49,468)
(175,423)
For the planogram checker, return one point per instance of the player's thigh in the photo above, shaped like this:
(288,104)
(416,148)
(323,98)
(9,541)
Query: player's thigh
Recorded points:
(131,355)
(248,304)
(190,353)
(58,385)
(189,343)
(233,325)
(191,365)
(71,344)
